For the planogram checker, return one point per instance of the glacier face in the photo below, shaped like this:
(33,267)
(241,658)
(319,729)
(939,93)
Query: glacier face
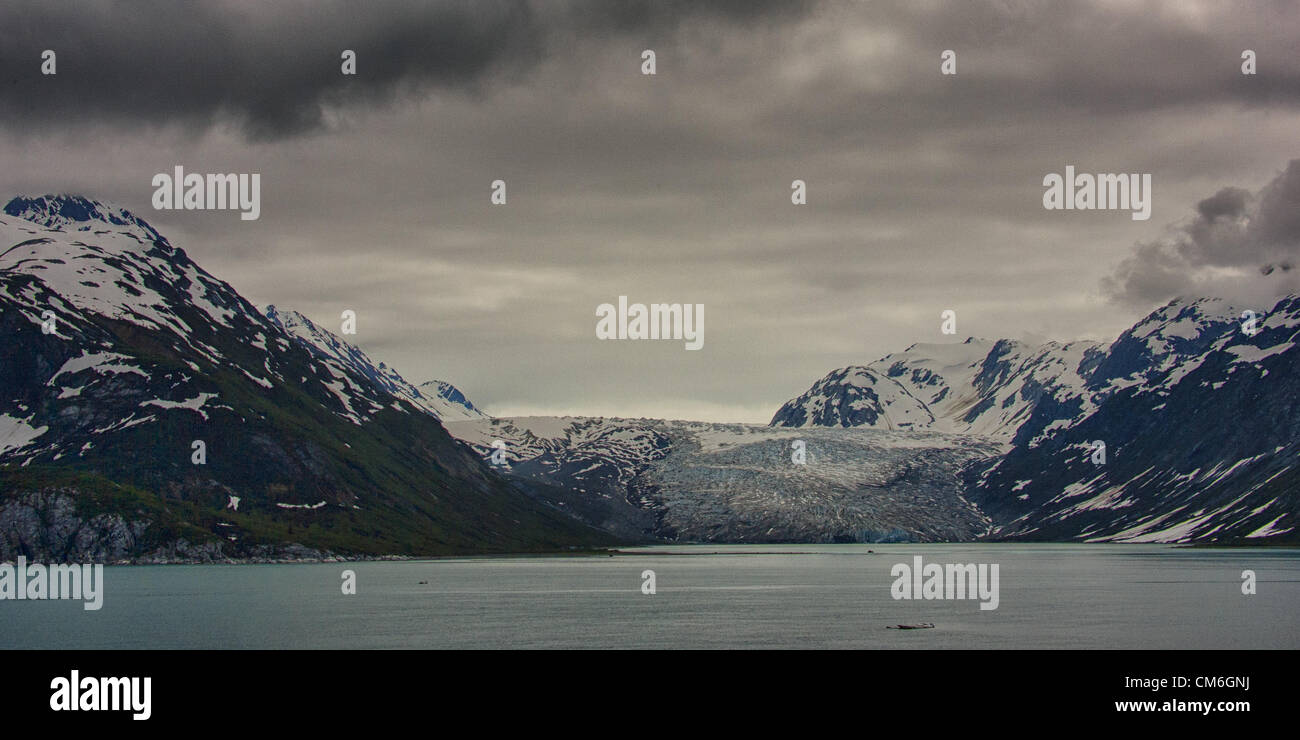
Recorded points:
(704,482)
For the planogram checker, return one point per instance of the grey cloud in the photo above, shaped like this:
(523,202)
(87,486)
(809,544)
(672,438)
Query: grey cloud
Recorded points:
(656,15)
(1238,245)
(1227,203)
(924,191)
(273,70)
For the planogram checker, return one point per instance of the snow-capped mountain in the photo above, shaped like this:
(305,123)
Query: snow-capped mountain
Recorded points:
(106,279)
(1201,424)
(134,384)
(445,401)
(75,213)
(1169,398)
(436,397)
(856,397)
(1170,342)
(703,482)
(973,387)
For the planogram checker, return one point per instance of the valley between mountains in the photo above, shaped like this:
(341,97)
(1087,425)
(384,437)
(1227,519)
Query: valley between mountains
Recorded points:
(120,353)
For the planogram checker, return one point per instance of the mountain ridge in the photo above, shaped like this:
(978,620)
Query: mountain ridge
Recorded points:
(151,358)
(442,400)
(1142,396)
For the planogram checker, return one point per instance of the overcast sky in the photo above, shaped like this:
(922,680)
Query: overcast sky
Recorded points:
(924,190)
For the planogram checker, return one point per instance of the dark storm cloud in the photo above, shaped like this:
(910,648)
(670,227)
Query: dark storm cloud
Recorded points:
(657,15)
(1227,203)
(924,190)
(273,70)
(1238,245)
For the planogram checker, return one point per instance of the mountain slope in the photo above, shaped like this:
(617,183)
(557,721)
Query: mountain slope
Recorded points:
(1201,425)
(441,399)
(856,397)
(1199,419)
(975,387)
(150,354)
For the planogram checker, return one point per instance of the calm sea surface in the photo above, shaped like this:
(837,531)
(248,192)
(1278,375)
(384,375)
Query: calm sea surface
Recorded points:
(726,596)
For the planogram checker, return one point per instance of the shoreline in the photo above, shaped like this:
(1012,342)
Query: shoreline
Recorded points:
(626,552)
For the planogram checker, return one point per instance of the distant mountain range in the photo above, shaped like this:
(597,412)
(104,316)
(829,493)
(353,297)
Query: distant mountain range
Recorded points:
(120,354)
(150,362)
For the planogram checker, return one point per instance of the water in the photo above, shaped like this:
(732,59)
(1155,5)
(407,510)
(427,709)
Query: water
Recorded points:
(778,596)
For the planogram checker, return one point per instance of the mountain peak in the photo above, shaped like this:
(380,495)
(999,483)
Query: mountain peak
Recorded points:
(450,393)
(67,212)
(438,398)
(289,318)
